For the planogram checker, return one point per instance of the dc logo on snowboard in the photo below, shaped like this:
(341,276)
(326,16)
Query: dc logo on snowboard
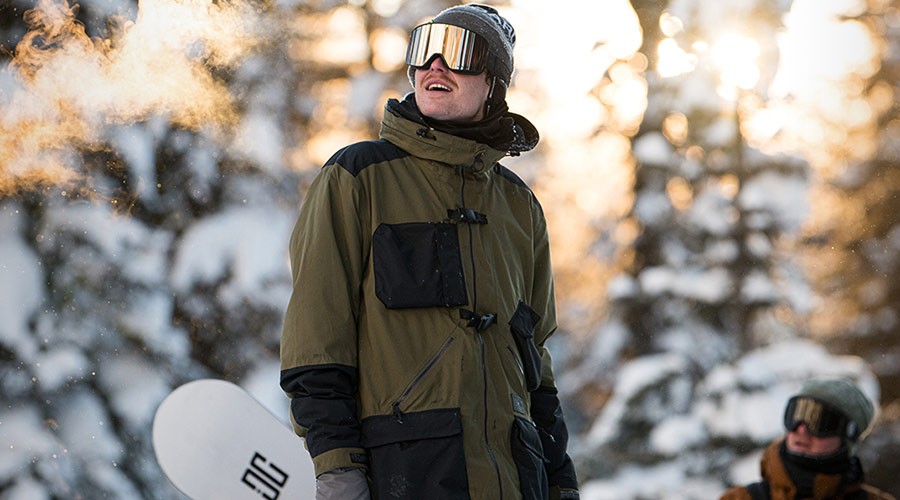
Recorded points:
(187,438)
(267,484)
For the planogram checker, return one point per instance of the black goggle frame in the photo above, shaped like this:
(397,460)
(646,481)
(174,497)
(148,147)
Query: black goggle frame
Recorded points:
(821,419)
(462,50)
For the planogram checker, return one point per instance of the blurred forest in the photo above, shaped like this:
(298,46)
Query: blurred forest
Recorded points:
(720,181)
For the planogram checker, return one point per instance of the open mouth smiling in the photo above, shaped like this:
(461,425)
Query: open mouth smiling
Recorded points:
(439,87)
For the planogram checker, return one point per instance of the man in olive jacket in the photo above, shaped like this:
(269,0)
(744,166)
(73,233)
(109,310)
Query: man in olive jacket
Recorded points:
(413,344)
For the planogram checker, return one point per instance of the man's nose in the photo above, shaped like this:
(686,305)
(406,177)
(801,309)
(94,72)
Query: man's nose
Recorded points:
(802,429)
(438,64)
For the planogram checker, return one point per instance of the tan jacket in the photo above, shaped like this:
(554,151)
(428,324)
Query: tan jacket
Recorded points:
(827,486)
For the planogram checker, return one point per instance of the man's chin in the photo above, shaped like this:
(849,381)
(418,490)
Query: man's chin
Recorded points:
(434,112)
(799,447)
(441,115)
(801,450)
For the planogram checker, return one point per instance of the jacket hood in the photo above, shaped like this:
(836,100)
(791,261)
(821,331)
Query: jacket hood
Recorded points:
(506,134)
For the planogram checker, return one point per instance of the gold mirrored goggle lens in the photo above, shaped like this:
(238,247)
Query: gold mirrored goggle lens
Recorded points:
(462,50)
(820,419)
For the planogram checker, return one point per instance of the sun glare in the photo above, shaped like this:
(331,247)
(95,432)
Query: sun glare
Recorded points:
(581,81)
(672,60)
(816,97)
(65,87)
(569,55)
(820,48)
(388,49)
(347,43)
(799,90)
(737,59)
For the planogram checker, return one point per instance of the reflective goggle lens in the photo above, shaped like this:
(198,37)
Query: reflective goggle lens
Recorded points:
(462,50)
(821,419)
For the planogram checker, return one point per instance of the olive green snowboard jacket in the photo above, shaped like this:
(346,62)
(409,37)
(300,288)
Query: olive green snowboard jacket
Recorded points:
(413,343)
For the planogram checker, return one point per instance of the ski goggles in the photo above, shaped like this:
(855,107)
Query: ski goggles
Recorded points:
(463,51)
(822,420)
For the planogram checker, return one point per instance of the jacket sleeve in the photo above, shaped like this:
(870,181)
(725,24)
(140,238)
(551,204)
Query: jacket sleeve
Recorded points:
(545,406)
(319,337)
(548,417)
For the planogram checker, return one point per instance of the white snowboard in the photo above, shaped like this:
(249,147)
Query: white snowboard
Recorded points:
(215,441)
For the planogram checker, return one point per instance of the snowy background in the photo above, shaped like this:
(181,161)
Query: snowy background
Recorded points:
(721,231)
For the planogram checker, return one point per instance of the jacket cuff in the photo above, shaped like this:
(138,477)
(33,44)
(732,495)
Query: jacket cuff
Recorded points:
(557,493)
(340,458)
(564,477)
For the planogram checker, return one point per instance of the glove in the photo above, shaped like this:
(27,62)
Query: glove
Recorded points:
(343,484)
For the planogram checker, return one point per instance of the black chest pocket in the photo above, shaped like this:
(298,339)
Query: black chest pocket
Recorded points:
(418,264)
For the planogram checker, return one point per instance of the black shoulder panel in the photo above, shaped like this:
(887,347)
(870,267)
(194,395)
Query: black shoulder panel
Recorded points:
(356,157)
(510,176)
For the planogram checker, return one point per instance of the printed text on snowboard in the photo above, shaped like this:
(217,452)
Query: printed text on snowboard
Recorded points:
(267,483)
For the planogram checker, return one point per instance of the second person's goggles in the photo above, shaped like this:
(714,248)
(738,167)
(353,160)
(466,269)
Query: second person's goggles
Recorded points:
(821,419)
(463,51)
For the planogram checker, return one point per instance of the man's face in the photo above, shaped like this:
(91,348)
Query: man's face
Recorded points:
(451,97)
(801,441)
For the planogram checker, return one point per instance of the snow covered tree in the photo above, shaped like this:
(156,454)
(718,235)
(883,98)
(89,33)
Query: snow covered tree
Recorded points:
(133,225)
(714,278)
(852,251)
(153,158)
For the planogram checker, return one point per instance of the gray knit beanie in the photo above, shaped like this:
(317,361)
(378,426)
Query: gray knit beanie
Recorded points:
(845,396)
(487,22)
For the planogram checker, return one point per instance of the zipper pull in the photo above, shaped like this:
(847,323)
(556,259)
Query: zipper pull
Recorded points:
(466,216)
(426,133)
(395,411)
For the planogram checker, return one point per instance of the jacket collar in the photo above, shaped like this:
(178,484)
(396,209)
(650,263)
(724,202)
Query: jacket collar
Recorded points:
(404,126)
(782,485)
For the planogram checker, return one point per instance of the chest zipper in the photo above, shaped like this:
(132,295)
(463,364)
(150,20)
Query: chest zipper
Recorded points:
(515,358)
(485,321)
(487,442)
(395,406)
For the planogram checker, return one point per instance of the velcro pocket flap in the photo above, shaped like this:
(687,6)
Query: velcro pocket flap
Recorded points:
(418,264)
(385,429)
